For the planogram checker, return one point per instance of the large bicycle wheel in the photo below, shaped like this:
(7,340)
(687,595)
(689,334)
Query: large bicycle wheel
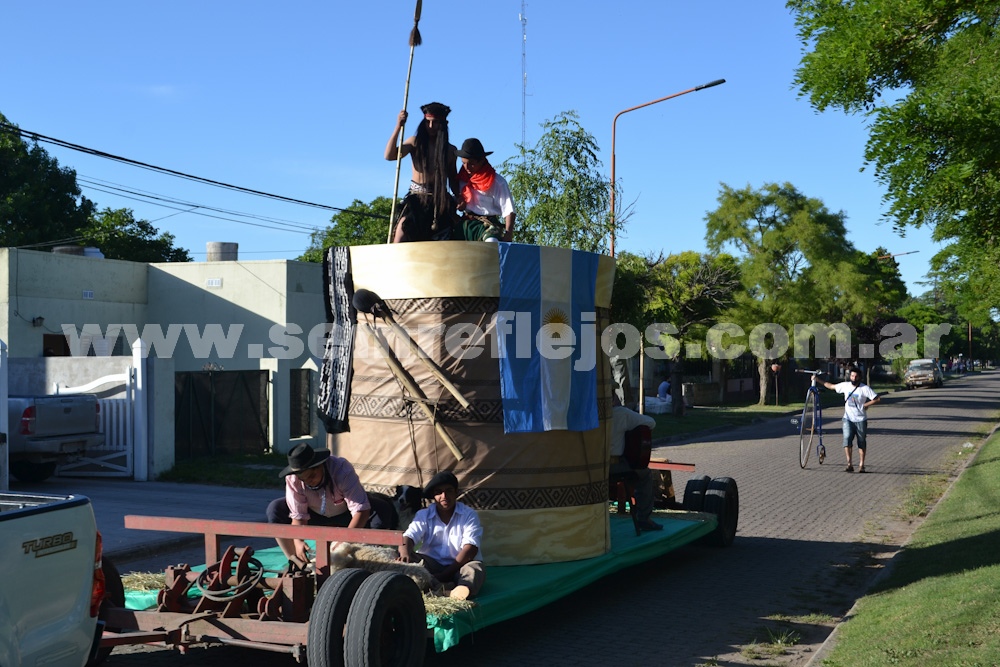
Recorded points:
(807,429)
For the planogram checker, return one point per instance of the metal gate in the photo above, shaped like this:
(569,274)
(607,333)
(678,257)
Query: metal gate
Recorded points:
(220,412)
(113,458)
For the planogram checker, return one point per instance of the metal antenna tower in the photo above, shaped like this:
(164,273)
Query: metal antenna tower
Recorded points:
(524,67)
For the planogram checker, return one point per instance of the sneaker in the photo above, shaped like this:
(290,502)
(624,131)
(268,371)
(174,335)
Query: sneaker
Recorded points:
(849,469)
(649,524)
(460,592)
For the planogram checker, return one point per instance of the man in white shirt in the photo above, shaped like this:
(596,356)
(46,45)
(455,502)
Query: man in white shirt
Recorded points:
(445,538)
(859,397)
(484,196)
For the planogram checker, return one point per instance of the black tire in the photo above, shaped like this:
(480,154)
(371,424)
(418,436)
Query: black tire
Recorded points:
(387,625)
(807,429)
(29,472)
(723,500)
(114,597)
(328,617)
(694,493)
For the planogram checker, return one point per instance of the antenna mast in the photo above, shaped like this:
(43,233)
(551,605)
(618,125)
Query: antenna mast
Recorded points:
(524,67)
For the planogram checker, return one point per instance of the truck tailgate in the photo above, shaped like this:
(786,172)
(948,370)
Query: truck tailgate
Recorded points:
(61,415)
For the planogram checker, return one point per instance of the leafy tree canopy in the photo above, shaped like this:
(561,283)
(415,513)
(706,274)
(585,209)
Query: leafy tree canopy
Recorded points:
(41,206)
(120,236)
(358,224)
(40,202)
(928,74)
(562,197)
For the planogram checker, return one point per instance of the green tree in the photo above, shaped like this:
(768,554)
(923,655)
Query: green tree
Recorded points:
(562,198)
(120,236)
(358,224)
(40,202)
(792,252)
(926,74)
(684,291)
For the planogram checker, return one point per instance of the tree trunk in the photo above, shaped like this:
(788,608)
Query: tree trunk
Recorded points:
(762,374)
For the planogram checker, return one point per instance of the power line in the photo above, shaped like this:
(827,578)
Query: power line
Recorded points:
(34,136)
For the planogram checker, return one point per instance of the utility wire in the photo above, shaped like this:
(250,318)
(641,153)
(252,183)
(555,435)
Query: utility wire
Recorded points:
(34,136)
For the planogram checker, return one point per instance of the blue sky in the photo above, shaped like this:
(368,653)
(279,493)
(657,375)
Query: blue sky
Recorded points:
(298,99)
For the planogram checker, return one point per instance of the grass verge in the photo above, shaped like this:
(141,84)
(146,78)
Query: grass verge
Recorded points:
(937,605)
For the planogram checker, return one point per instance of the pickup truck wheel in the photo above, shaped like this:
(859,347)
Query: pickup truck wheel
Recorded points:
(29,472)
(387,624)
(723,500)
(114,596)
(694,493)
(325,647)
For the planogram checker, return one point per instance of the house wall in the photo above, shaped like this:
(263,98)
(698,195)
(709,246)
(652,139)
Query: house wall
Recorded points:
(261,315)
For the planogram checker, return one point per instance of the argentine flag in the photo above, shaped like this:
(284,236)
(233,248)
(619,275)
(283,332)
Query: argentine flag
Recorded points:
(546,335)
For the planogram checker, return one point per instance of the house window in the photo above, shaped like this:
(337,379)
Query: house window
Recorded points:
(300,402)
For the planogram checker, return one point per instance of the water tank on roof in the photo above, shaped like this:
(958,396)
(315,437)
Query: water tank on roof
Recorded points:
(68,250)
(220,251)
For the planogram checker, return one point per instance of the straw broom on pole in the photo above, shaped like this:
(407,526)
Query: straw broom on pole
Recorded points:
(414,42)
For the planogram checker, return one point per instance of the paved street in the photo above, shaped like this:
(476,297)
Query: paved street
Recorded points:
(809,542)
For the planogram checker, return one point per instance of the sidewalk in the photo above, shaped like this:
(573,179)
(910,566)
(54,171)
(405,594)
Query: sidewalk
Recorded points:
(113,498)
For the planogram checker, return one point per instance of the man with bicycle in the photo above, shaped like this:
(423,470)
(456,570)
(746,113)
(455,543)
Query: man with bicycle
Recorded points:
(859,397)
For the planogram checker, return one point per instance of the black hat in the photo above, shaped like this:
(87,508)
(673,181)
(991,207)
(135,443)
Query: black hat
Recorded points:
(473,148)
(443,478)
(436,109)
(302,457)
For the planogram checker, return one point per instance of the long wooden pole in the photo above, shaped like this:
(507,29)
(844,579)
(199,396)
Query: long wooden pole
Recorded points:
(414,42)
(412,387)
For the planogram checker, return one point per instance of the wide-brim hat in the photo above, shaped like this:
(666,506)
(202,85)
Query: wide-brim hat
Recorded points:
(473,148)
(443,478)
(302,457)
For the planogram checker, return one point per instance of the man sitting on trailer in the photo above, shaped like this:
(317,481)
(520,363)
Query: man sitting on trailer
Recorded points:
(624,420)
(324,490)
(445,539)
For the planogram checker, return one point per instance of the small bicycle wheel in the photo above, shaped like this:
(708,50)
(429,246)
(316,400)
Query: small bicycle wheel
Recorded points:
(807,429)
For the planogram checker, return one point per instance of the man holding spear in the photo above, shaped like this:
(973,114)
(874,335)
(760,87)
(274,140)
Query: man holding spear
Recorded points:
(428,211)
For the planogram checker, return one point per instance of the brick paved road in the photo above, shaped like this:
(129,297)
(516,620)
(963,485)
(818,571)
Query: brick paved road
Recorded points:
(809,542)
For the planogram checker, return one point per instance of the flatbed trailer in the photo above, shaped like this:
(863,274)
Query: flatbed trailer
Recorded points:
(354,617)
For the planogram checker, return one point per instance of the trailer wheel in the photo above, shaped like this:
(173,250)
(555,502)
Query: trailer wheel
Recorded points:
(723,500)
(694,493)
(387,625)
(325,647)
(29,472)
(114,597)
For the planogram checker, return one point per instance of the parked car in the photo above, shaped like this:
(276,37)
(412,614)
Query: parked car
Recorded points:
(923,373)
(55,581)
(48,430)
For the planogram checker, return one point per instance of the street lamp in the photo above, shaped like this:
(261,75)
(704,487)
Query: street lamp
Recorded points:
(613,124)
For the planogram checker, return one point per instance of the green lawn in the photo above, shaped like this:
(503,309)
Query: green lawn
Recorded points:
(938,605)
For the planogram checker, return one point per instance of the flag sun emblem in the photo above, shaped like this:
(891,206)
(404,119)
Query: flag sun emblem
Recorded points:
(555,316)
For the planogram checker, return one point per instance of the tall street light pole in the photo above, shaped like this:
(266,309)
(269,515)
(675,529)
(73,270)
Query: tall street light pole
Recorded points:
(615,122)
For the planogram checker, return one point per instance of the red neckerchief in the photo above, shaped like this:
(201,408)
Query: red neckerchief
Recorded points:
(482,180)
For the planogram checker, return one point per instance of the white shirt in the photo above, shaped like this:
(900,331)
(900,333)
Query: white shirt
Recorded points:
(495,201)
(442,541)
(622,421)
(856,397)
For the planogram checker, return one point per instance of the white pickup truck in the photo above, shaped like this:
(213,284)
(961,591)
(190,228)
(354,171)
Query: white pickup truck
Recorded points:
(53,581)
(48,430)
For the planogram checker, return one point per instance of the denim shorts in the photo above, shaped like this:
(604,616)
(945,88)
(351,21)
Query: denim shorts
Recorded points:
(859,429)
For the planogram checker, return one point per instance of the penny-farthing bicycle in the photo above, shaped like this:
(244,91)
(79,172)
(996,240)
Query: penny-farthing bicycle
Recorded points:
(811,422)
